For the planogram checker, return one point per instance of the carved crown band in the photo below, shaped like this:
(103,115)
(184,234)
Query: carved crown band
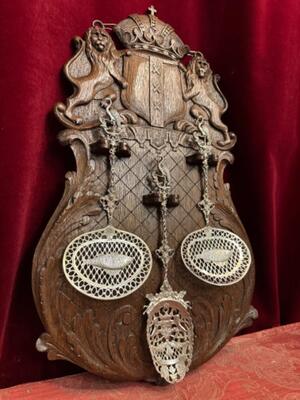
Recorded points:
(147,32)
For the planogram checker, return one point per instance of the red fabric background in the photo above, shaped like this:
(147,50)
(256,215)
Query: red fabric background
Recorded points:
(253,44)
(260,366)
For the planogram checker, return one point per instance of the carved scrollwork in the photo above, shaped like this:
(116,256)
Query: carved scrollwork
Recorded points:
(157,105)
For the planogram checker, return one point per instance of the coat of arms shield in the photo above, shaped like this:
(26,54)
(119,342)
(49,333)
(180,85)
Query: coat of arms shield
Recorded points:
(154,90)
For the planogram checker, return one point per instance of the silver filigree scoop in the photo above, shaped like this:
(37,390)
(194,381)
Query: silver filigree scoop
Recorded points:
(108,263)
(170,330)
(216,256)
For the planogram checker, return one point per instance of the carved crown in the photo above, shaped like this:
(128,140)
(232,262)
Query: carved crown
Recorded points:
(147,32)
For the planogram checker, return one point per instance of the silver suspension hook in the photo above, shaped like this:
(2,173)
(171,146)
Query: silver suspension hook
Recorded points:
(162,182)
(171,340)
(113,130)
(203,142)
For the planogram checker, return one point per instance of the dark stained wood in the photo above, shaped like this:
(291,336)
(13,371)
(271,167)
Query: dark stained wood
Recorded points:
(152,200)
(160,101)
(196,159)
(123,150)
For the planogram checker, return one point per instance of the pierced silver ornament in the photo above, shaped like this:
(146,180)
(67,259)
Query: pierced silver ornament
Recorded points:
(108,263)
(170,329)
(216,256)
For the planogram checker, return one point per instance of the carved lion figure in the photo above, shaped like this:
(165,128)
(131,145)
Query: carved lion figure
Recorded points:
(202,88)
(102,55)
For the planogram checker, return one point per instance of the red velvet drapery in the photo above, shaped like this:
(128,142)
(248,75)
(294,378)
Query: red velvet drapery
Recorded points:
(253,44)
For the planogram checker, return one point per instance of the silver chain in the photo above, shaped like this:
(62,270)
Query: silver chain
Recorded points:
(162,182)
(170,330)
(112,127)
(203,143)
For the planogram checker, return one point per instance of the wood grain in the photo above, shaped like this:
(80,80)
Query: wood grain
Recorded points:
(159,100)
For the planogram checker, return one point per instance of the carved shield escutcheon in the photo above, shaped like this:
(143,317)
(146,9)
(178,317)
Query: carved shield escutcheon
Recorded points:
(154,89)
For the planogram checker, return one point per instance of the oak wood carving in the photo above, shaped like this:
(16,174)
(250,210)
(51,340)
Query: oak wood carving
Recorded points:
(158,102)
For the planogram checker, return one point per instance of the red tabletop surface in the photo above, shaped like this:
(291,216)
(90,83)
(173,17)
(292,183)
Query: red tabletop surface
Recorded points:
(259,366)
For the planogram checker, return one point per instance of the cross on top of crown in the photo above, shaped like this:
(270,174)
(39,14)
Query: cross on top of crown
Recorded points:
(152,10)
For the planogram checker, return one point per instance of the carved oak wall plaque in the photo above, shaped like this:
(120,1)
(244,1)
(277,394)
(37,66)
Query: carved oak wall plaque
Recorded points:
(144,270)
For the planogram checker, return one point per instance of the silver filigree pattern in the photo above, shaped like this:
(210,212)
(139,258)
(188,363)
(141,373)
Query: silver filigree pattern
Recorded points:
(216,256)
(108,263)
(170,335)
(170,330)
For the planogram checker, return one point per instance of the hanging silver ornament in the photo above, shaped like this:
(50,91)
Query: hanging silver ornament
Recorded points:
(170,330)
(108,263)
(216,256)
